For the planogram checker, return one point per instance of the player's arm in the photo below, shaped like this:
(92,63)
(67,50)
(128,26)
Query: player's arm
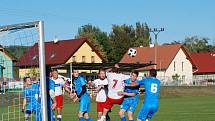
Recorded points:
(109,69)
(123,93)
(84,90)
(67,89)
(84,87)
(133,84)
(52,93)
(23,104)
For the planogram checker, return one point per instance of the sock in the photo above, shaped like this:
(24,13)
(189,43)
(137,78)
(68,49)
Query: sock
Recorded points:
(103,118)
(81,119)
(59,117)
(89,119)
(123,118)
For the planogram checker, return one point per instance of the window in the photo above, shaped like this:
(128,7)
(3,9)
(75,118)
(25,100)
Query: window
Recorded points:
(35,58)
(52,56)
(182,66)
(92,59)
(174,66)
(73,58)
(83,59)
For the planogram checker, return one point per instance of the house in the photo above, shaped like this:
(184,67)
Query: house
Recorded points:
(173,62)
(7,62)
(205,63)
(60,52)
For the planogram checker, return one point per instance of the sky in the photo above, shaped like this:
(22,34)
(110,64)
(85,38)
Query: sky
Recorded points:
(180,18)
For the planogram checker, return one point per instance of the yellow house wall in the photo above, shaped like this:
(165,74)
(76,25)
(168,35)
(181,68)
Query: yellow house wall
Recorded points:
(27,72)
(85,50)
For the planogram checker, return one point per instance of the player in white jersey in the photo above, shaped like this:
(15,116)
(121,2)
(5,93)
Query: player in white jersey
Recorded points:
(59,85)
(101,85)
(115,85)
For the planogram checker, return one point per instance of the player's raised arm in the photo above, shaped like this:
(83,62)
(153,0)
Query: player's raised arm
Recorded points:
(116,66)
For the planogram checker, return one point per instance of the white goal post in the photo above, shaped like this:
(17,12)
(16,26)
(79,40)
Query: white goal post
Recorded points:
(40,26)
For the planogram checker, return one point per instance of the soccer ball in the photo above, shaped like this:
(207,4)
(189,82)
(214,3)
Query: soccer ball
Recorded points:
(132,52)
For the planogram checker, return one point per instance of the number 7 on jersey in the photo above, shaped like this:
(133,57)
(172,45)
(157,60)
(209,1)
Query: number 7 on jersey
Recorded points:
(115,83)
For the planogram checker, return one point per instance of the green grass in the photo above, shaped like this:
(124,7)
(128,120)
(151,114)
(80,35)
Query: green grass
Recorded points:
(197,108)
(176,104)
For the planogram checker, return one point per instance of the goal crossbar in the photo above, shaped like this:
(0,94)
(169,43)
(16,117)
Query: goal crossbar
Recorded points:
(19,26)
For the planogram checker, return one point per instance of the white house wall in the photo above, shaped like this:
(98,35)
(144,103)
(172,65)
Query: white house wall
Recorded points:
(187,67)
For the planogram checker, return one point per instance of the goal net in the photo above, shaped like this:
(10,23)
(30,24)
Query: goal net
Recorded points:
(17,61)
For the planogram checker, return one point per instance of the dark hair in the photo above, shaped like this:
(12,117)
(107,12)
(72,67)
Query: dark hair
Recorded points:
(100,70)
(153,72)
(25,78)
(135,72)
(114,69)
(54,69)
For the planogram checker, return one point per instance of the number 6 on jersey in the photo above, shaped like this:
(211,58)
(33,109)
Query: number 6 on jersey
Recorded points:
(154,88)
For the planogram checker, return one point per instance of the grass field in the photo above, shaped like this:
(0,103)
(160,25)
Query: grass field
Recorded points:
(176,104)
(197,108)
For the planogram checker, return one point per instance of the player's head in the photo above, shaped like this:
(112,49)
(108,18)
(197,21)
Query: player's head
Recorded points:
(134,74)
(101,74)
(115,70)
(54,73)
(75,73)
(27,80)
(152,73)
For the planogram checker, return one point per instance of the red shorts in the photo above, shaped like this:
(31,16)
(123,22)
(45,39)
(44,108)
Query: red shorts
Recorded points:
(59,100)
(100,106)
(110,102)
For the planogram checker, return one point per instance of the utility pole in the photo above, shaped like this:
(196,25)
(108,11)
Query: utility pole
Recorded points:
(156,31)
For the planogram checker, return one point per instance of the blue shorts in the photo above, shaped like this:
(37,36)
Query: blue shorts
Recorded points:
(129,104)
(84,103)
(147,111)
(30,108)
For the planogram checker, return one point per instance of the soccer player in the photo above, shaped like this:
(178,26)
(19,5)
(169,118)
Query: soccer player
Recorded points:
(115,85)
(101,85)
(59,85)
(151,99)
(130,101)
(81,91)
(52,103)
(30,104)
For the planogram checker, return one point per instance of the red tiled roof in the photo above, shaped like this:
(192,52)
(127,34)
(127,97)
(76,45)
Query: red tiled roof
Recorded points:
(165,55)
(56,53)
(205,62)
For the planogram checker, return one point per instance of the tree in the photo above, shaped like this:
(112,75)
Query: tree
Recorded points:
(142,34)
(98,38)
(125,36)
(197,44)
(121,38)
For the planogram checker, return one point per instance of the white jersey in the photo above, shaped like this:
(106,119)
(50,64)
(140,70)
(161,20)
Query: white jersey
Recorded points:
(115,84)
(59,83)
(101,95)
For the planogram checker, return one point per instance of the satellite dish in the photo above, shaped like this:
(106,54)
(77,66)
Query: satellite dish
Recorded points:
(56,40)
